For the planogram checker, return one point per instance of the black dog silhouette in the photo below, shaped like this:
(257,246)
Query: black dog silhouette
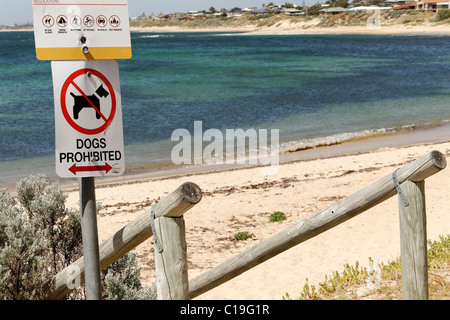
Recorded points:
(81,102)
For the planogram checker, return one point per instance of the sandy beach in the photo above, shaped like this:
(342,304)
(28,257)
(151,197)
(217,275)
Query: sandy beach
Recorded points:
(242,200)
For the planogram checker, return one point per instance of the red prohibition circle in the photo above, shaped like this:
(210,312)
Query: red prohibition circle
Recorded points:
(101,21)
(89,21)
(116,21)
(65,87)
(48,21)
(62,21)
(75,21)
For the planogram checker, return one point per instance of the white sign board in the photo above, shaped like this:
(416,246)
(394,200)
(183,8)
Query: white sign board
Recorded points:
(81,29)
(88,119)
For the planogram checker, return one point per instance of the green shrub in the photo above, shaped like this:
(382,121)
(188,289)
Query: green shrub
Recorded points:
(443,14)
(277,216)
(39,236)
(240,236)
(439,252)
(122,281)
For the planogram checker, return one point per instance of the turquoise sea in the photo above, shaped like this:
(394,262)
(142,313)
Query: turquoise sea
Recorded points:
(316,89)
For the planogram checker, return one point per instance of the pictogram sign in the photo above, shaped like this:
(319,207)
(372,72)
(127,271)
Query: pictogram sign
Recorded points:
(88,119)
(84,100)
(75,21)
(114,21)
(89,21)
(104,26)
(62,21)
(102,21)
(48,21)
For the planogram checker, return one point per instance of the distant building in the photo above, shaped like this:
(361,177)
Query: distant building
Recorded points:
(443,5)
(261,11)
(292,12)
(369,8)
(427,5)
(275,8)
(162,16)
(332,11)
(406,6)
(394,3)
(178,16)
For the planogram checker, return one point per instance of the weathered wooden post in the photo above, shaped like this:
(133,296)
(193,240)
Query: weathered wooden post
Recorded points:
(413,241)
(170,251)
(171,262)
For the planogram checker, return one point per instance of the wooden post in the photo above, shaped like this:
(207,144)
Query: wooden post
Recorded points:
(171,263)
(170,252)
(413,241)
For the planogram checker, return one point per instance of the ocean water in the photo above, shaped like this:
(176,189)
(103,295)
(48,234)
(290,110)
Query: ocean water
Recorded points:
(316,89)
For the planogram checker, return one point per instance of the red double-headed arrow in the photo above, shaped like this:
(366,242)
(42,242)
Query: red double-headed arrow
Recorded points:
(74,169)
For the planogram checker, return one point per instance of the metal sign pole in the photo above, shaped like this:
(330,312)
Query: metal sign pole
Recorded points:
(90,238)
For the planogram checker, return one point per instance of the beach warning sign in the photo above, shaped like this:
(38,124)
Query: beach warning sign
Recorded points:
(81,29)
(88,119)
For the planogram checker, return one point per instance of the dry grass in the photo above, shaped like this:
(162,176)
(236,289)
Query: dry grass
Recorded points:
(382,282)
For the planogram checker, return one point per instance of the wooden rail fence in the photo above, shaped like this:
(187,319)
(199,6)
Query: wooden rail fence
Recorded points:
(171,267)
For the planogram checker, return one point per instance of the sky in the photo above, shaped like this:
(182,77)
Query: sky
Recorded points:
(20,11)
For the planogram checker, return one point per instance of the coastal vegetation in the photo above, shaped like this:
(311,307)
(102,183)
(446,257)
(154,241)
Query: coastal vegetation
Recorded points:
(382,281)
(39,237)
(243,235)
(443,15)
(277,216)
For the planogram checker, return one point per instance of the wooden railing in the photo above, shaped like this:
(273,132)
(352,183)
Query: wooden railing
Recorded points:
(127,238)
(408,181)
(341,211)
